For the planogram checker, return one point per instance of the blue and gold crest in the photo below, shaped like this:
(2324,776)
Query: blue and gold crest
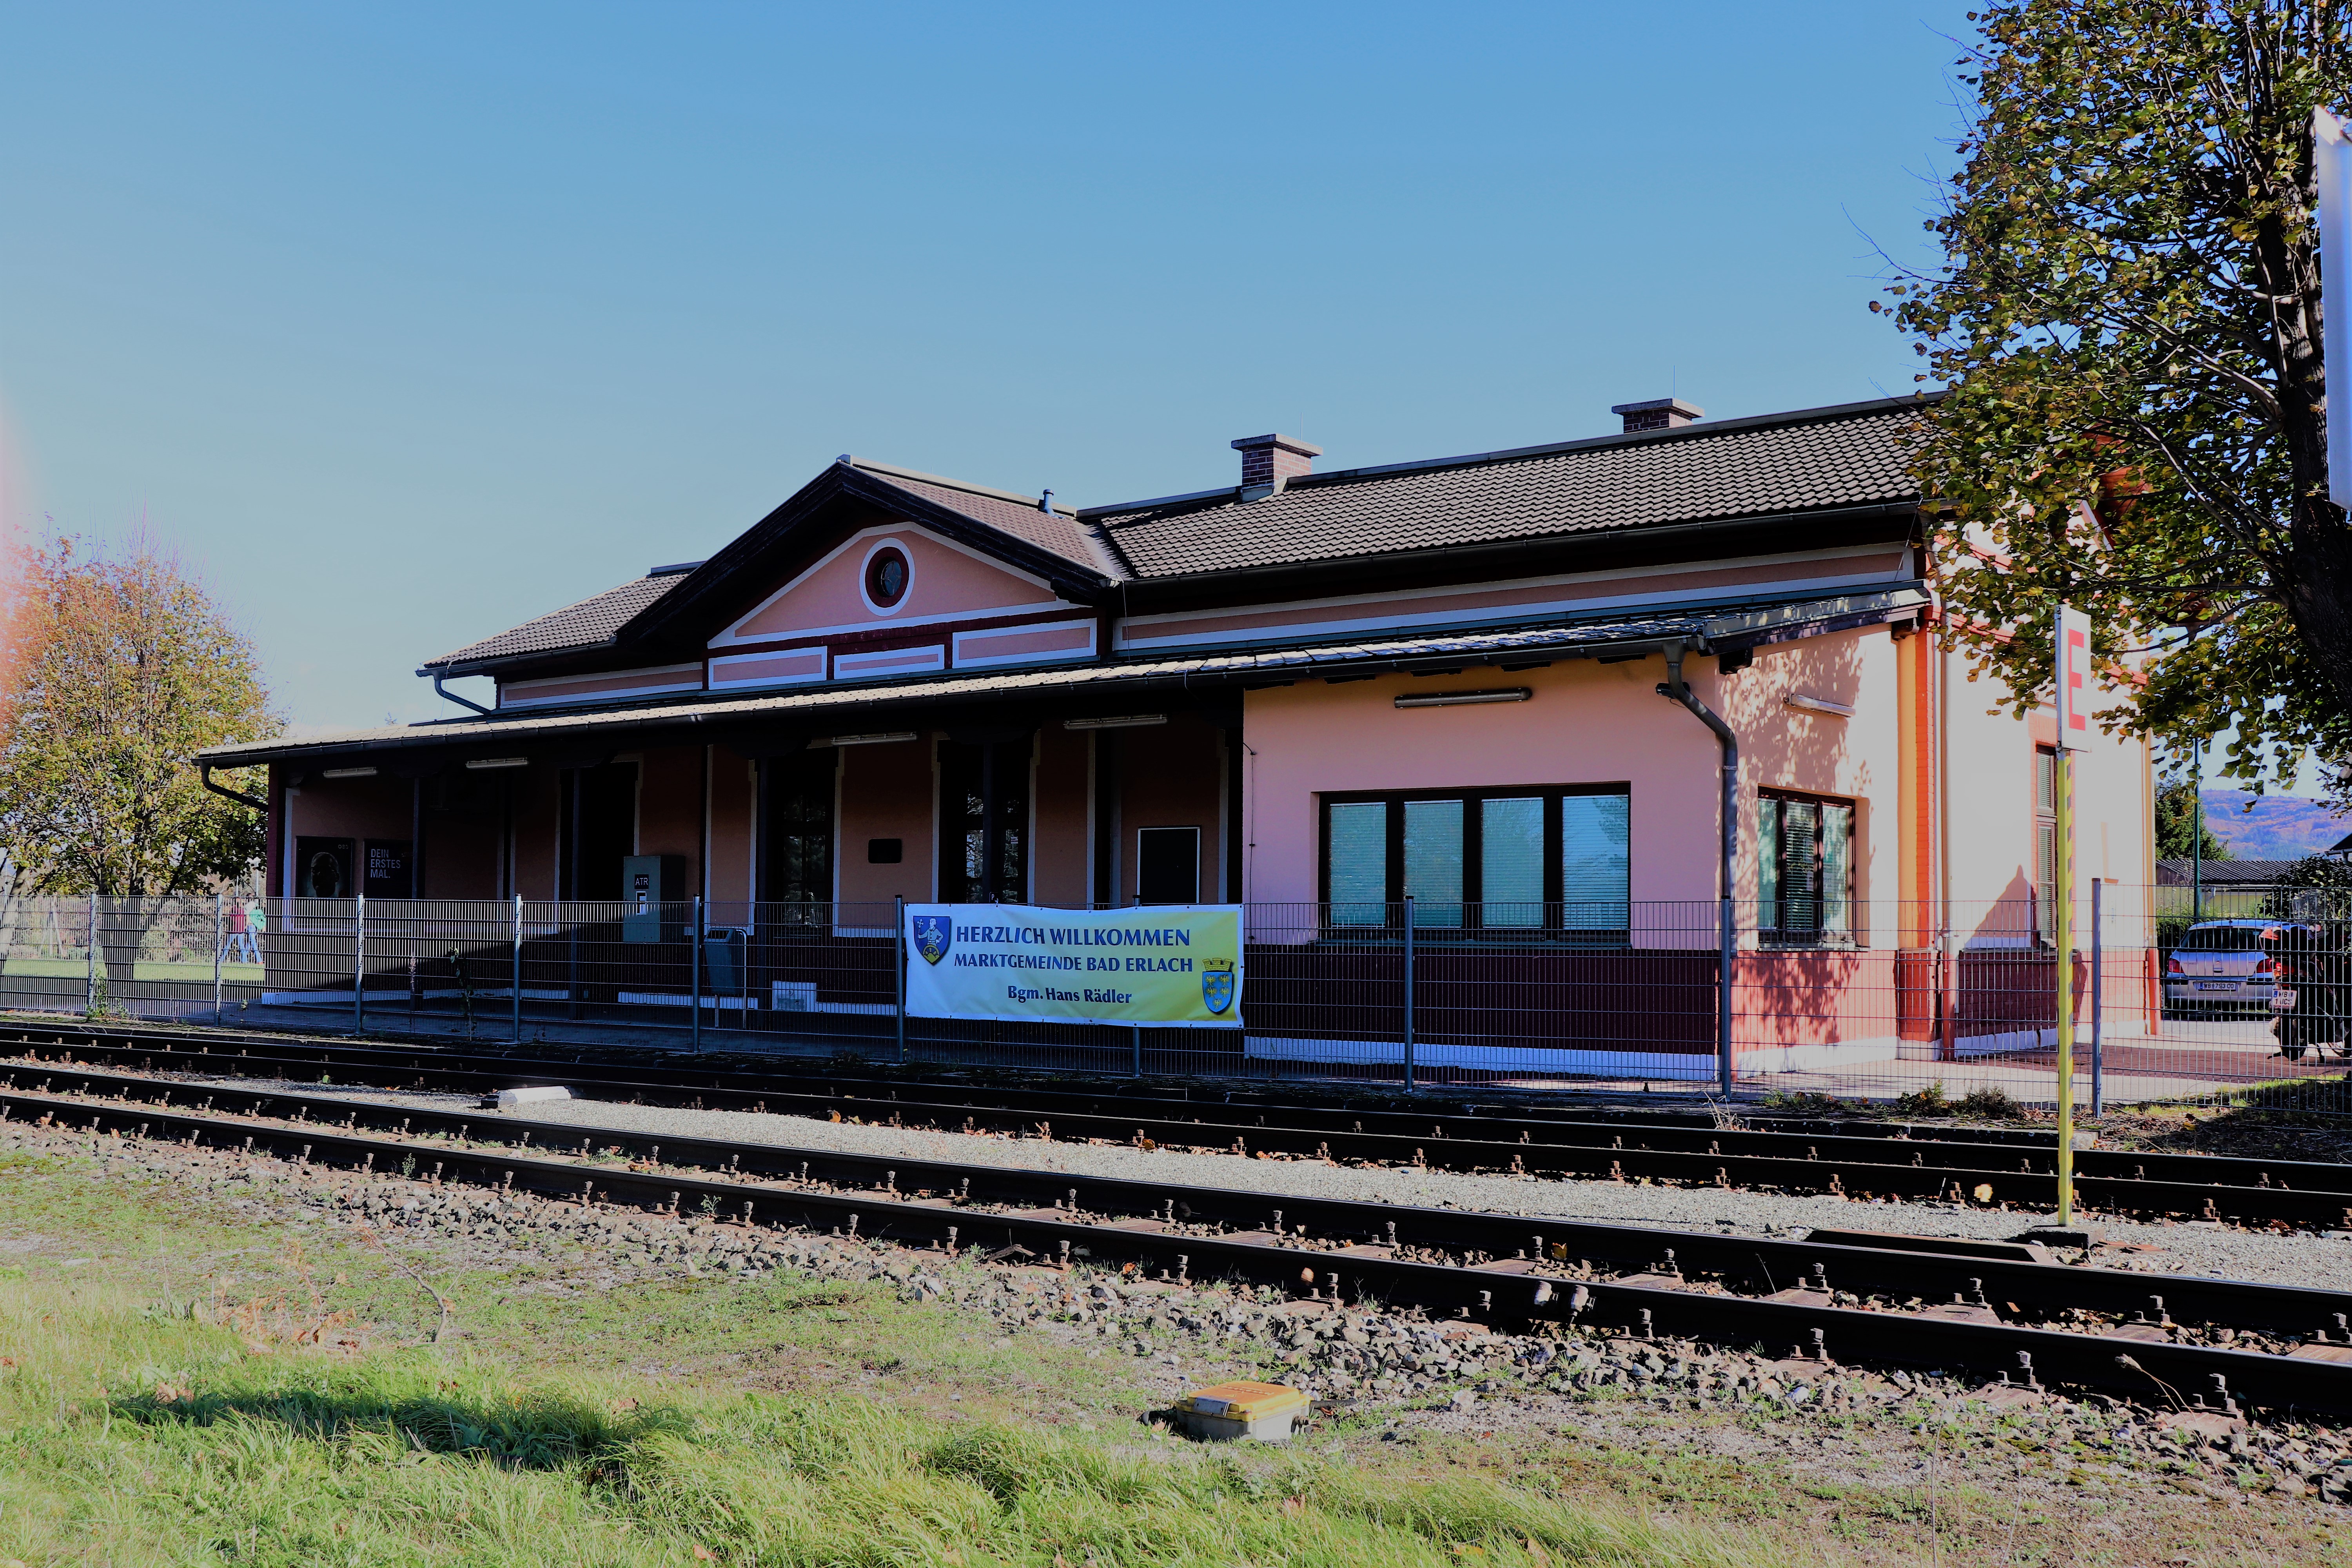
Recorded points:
(933,936)
(1217,984)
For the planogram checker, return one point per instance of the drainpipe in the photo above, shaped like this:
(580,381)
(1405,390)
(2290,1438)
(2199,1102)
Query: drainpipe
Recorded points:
(1726,927)
(204,777)
(441,691)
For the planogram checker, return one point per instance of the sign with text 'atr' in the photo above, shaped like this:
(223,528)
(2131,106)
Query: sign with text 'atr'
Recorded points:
(2075,689)
(1168,965)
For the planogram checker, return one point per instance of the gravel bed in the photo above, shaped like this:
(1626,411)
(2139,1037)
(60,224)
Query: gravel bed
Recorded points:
(2215,1251)
(2298,1259)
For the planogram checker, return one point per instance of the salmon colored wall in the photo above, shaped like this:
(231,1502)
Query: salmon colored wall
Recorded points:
(1586,723)
(1171,775)
(1991,789)
(946,583)
(1061,817)
(733,783)
(887,792)
(1591,723)
(1858,759)
(379,807)
(669,805)
(537,817)
(461,853)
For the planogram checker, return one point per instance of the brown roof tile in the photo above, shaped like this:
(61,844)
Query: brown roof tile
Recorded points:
(1849,455)
(1057,531)
(584,624)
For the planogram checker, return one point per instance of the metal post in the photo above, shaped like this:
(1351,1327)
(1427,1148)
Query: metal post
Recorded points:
(2196,831)
(2063,921)
(518,969)
(1408,993)
(898,961)
(359,967)
(220,935)
(2098,996)
(694,973)
(89,982)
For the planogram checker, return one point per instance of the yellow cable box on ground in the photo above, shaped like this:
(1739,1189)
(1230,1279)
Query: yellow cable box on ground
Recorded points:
(1260,1410)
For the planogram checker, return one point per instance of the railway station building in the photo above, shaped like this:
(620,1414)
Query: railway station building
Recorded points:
(1502,685)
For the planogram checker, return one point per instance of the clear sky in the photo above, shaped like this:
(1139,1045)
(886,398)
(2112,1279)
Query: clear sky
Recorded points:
(402,324)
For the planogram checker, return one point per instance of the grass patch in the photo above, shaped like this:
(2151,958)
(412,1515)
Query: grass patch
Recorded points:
(134,1435)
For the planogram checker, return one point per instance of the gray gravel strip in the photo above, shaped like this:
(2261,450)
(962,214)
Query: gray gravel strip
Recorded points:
(2187,1248)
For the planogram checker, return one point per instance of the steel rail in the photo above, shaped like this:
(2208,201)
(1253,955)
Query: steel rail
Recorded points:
(1495,1295)
(2240,1304)
(2300,1192)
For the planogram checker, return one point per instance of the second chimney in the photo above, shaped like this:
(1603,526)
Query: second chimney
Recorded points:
(1658,414)
(1270,462)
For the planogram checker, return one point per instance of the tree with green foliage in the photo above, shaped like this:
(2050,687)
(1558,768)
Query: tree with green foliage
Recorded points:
(2179,823)
(121,670)
(2127,323)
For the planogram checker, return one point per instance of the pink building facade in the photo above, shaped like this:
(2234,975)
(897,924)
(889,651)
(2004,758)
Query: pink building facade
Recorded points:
(1318,694)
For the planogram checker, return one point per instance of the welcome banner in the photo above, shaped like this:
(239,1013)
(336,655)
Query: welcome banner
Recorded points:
(1165,965)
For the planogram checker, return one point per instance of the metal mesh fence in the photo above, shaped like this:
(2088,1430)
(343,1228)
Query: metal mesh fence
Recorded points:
(2173,997)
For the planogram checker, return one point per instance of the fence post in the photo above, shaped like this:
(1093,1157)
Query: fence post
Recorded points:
(518,969)
(694,973)
(1408,993)
(1728,967)
(2098,997)
(359,967)
(90,981)
(220,935)
(1136,1035)
(898,963)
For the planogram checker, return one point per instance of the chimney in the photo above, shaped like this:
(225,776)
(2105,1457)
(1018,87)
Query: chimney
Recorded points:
(1658,414)
(1270,462)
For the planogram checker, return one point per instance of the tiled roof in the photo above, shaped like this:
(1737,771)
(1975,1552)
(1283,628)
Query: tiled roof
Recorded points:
(849,706)
(584,624)
(1056,530)
(1818,458)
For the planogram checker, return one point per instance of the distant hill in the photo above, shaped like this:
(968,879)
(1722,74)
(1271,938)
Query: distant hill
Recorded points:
(2276,827)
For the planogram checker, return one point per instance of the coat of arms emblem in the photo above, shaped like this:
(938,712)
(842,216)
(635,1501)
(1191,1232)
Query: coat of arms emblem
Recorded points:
(933,936)
(1217,984)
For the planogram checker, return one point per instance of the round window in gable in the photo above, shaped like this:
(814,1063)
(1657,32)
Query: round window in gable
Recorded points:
(888,573)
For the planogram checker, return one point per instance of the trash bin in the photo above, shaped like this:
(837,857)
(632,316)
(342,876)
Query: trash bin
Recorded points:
(722,961)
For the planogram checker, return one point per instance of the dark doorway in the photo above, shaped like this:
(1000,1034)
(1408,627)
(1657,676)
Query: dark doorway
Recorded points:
(1168,865)
(796,832)
(600,830)
(984,822)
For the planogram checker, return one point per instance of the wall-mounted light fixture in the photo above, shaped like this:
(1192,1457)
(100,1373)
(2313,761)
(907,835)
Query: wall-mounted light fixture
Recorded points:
(348,774)
(865,740)
(1804,704)
(1119,721)
(1464,699)
(497,763)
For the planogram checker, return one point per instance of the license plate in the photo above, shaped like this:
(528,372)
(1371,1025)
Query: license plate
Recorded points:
(2216,985)
(2283,1001)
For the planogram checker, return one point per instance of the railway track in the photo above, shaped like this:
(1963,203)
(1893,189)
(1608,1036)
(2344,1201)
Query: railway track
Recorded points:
(2170,1340)
(2303,1193)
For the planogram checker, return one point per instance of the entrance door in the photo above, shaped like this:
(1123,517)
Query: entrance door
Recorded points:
(796,835)
(984,822)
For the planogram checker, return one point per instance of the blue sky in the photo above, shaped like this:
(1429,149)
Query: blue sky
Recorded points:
(403,325)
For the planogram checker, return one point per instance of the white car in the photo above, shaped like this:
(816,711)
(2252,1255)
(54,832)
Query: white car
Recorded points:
(2221,965)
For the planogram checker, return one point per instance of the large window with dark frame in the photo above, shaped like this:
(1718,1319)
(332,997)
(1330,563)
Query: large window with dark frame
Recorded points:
(1805,851)
(1550,858)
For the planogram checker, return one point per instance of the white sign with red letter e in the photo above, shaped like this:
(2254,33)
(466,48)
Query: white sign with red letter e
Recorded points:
(2074,728)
